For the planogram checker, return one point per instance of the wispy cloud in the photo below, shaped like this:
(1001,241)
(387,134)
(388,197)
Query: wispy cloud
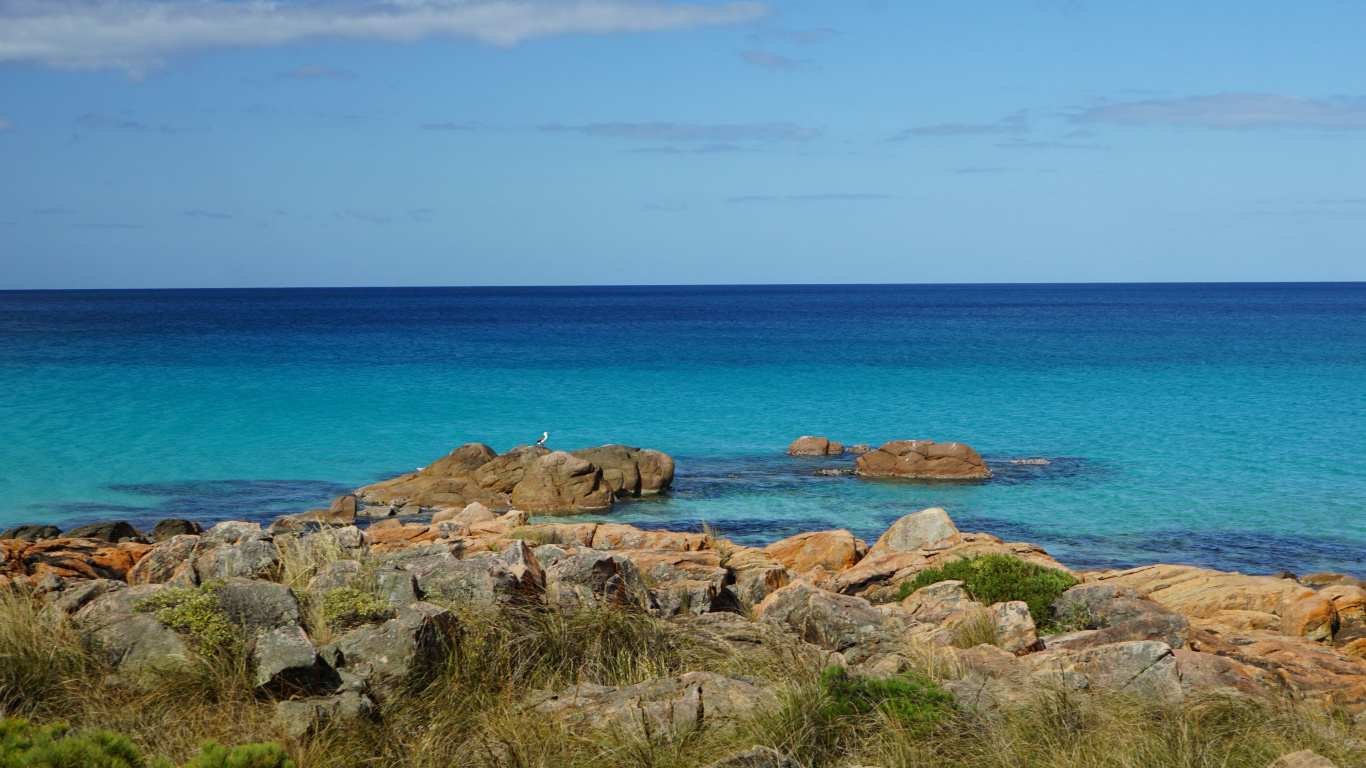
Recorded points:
(6,125)
(450,127)
(137,35)
(53,211)
(822,197)
(799,36)
(99,120)
(1233,111)
(668,207)
(685,132)
(1023,144)
(770,61)
(421,214)
(1016,123)
(196,213)
(316,72)
(107,226)
(705,149)
(366,216)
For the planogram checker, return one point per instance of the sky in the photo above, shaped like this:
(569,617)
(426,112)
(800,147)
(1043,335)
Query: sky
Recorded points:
(236,143)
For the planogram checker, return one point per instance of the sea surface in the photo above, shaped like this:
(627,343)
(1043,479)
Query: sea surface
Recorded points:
(1217,425)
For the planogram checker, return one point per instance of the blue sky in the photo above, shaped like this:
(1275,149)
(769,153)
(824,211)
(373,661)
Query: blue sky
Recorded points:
(217,143)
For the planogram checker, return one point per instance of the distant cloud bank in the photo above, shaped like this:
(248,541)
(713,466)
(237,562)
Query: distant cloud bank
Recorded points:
(691,132)
(1233,111)
(137,35)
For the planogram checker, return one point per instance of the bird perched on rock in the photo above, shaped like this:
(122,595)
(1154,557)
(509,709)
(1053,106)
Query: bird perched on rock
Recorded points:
(544,436)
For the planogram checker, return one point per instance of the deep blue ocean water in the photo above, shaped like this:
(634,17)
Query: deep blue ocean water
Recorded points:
(1219,425)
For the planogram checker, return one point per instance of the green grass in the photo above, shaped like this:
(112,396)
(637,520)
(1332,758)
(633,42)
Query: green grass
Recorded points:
(999,578)
(23,745)
(348,607)
(910,700)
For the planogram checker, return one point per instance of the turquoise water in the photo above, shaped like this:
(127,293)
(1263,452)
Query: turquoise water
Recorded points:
(1221,425)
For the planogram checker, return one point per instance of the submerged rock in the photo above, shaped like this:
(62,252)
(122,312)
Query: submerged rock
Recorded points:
(924,459)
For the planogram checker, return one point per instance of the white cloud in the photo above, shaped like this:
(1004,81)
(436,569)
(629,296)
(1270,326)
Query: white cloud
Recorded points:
(1232,111)
(6,125)
(137,35)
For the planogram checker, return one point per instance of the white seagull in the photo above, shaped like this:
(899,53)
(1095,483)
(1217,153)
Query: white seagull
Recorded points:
(544,435)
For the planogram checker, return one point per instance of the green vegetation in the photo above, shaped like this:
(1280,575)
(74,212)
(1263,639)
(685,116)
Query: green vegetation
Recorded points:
(909,700)
(54,746)
(348,607)
(194,612)
(999,578)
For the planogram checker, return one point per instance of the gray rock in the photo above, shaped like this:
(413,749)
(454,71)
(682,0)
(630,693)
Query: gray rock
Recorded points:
(935,602)
(480,580)
(165,560)
(594,579)
(258,606)
(33,533)
(1142,667)
(111,600)
(236,532)
(549,554)
(665,704)
(756,757)
(335,575)
(1172,629)
(301,717)
(174,526)
(1303,759)
(1015,627)
(396,586)
(251,558)
(387,655)
(137,642)
(113,532)
(49,583)
(915,531)
(1096,606)
(831,621)
(285,660)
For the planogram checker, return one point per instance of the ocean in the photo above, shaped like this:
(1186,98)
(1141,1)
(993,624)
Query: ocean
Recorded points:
(1216,425)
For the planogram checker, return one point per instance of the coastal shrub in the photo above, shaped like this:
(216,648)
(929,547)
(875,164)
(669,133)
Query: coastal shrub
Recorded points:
(996,578)
(194,612)
(348,607)
(909,700)
(39,651)
(52,746)
(212,755)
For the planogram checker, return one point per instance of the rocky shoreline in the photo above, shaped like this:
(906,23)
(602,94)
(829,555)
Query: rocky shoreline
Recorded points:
(1168,632)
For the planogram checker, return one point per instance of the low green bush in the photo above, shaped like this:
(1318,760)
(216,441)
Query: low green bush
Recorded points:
(348,607)
(910,700)
(23,745)
(999,578)
(194,612)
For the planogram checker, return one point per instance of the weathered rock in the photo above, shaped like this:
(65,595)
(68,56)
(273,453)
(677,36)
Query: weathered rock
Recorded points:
(592,578)
(1207,673)
(618,536)
(666,704)
(1317,580)
(880,574)
(923,459)
(1144,667)
(284,659)
(814,446)
(562,534)
(481,580)
(1303,759)
(137,642)
(1198,592)
(251,558)
(413,492)
(858,449)
(1094,606)
(1247,620)
(258,606)
(754,575)
(174,526)
(461,462)
(756,757)
(165,560)
(561,481)
(502,473)
(300,717)
(236,532)
(385,656)
(935,602)
(1312,617)
(396,586)
(1350,603)
(915,531)
(831,621)
(113,532)
(474,513)
(1015,627)
(830,551)
(77,558)
(113,601)
(81,594)
(33,532)
(631,471)
(1170,628)
(681,582)
(335,575)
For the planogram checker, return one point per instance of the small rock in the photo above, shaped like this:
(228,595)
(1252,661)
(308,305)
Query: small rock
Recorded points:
(380,510)
(285,659)
(833,473)
(1313,618)
(302,717)
(831,551)
(113,532)
(1032,462)
(172,556)
(858,449)
(924,459)
(137,642)
(334,575)
(384,656)
(814,446)
(915,531)
(258,606)
(33,533)
(1015,627)
(174,526)
(1302,759)
(834,622)
(474,513)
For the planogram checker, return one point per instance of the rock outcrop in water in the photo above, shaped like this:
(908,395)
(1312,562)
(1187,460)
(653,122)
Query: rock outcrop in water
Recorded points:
(923,459)
(530,477)
(815,446)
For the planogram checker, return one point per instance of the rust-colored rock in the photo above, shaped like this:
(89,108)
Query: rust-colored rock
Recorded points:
(618,536)
(1312,617)
(561,481)
(923,459)
(832,551)
(502,473)
(631,471)
(71,558)
(808,445)
(1199,592)
(460,462)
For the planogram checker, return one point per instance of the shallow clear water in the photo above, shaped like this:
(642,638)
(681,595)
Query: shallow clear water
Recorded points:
(1221,425)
